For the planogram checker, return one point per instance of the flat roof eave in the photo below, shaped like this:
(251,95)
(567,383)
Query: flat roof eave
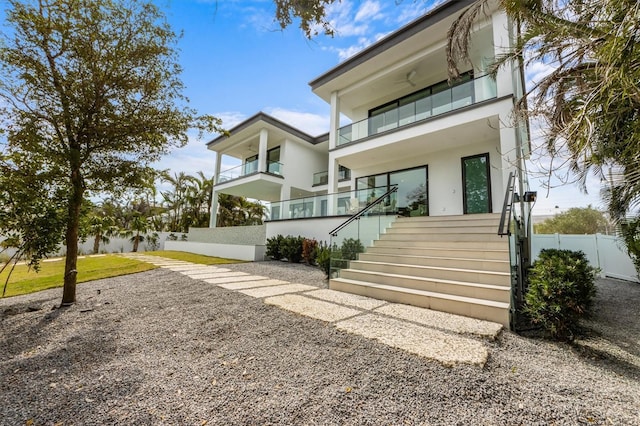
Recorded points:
(434,16)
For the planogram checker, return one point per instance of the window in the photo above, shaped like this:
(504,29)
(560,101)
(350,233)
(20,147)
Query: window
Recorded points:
(476,184)
(436,99)
(412,198)
(273,161)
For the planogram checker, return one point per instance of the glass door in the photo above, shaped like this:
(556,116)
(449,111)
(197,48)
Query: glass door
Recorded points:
(476,182)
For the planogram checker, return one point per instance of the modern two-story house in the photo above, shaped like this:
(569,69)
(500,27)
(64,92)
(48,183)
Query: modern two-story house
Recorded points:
(439,152)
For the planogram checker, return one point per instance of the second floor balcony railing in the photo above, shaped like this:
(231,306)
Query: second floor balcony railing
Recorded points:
(248,168)
(456,97)
(322,178)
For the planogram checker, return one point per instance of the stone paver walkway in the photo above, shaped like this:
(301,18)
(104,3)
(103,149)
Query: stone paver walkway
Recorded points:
(446,338)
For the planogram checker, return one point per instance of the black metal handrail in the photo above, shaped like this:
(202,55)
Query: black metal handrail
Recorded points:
(507,207)
(358,215)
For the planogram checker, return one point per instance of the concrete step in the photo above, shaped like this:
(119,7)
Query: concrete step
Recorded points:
(429,272)
(440,261)
(490,310)
(460,238)
(453,218)
(461,229)
(431,244)
(453,253)
(410,222)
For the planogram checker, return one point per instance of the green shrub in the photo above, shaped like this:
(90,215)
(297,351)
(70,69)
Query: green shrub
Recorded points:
(561,291)
(274,247)
(309,251)
(630,232)
(291,248)
(350,249)
(323,258)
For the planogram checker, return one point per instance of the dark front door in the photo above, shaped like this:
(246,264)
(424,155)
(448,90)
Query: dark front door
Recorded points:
(476,182)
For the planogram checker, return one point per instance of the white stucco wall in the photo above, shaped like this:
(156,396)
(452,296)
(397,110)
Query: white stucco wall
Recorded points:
(317,229)
(301,161)
(228,251)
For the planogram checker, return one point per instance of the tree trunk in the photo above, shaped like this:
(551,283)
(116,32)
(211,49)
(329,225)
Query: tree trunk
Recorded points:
(96,243)
(73,224)
(135,243)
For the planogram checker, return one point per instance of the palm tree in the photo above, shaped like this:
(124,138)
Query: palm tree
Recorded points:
(590,102)
(138,227)
(102,228)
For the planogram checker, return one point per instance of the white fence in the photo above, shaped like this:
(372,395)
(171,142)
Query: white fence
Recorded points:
(603,251)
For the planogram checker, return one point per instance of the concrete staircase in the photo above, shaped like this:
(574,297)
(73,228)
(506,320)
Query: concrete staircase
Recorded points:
(455,264)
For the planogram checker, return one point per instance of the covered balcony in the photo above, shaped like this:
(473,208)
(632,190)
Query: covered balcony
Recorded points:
(420,106)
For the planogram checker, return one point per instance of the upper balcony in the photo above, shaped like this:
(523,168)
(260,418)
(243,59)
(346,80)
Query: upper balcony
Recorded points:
(423,105)
(247,169)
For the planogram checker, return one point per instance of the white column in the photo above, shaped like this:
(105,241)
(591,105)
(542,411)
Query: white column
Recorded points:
(285,195)
(334,120)
(262,151)
(214,209)
(501,44)
(332,187)
(216,170)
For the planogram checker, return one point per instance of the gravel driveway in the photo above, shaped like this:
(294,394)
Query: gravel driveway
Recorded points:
(161,348)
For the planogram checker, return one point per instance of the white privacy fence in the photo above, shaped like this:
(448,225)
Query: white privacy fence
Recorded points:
(606,252)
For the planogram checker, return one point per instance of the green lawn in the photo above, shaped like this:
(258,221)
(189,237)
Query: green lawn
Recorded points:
(191,257)
(24,281)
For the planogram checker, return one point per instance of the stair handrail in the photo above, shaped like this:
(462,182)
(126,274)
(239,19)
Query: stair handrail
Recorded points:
(358,215)
(507,207)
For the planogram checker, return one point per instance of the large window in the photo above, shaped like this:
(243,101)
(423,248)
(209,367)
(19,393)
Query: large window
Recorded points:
(412,198)
(433,100)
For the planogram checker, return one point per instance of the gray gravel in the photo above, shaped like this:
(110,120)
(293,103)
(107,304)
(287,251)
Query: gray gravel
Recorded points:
(161,348)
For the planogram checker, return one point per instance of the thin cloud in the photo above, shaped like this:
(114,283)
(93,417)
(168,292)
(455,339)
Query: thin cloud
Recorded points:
(312,124)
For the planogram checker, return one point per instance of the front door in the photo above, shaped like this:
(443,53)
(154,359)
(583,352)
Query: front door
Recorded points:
(476,182)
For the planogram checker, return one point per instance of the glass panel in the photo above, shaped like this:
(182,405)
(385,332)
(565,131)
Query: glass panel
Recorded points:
(275,212)
(441,99)
(345,135)
(320,178)
(421,105)
(407,114)
(344,173)
(477,191)
(412,195)
(357,236)
(383,118)
(462,95)
(423,108)
(274,167)
(250,165)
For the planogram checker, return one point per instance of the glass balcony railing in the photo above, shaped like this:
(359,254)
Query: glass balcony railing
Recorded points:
(456,97)
(349,241)
(274,167)
(322,178)
(246,169)
(336,204)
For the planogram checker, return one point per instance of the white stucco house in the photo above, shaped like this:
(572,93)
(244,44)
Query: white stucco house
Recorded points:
(446,148)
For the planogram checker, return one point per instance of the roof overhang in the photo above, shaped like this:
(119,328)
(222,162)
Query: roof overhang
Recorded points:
(391,50)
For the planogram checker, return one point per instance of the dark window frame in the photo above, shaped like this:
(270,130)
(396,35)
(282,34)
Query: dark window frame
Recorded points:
(464,179)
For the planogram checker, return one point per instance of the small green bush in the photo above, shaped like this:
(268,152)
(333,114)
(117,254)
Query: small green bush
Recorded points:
(561,291)
(351,248)
(309,251)
(630,232)
(274,247)
(291,248)
(323,258)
